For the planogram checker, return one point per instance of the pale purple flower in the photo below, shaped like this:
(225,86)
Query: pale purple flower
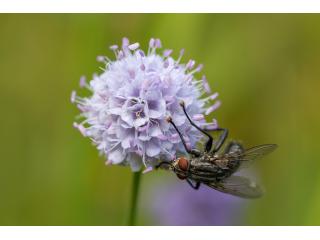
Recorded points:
(125,114)
(179,204)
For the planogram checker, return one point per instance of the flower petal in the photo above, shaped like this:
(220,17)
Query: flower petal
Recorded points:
(152,148)
(140,122)
(116,156)
(155,131)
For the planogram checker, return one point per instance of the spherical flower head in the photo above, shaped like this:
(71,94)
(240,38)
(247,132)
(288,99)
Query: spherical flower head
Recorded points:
(125,116)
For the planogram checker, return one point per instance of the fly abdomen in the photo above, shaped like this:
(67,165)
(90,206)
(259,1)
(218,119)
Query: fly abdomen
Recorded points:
(204,166)
(204,171)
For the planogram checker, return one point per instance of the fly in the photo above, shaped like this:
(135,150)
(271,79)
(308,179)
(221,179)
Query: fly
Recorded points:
(215,168)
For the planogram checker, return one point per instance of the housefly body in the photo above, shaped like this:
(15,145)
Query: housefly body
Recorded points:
(216,168)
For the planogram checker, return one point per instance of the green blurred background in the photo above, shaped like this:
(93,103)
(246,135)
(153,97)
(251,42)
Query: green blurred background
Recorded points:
(265,67)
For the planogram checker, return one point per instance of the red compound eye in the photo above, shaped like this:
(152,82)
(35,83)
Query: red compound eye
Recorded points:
(183,164)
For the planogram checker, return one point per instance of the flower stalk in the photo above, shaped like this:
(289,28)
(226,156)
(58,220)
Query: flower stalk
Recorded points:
(134,198)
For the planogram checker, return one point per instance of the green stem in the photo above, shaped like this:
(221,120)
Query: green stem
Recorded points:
(134,198)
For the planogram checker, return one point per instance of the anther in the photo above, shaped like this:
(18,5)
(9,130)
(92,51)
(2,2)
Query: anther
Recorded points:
(114,47)
(133,46)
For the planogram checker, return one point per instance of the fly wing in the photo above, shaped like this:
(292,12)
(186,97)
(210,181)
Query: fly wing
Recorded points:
(252,154)
(258,151)
(238,186)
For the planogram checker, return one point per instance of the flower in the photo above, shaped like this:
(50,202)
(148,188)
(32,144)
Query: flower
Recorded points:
(125,116)
(178,204)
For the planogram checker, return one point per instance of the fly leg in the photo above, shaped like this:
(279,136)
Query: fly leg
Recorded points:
(208,146)
(221,139)
(163,163)
(210,140)
(194,186)
(194,152)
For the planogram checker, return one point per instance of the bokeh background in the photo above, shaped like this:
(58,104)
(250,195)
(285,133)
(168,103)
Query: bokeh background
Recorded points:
(265,67)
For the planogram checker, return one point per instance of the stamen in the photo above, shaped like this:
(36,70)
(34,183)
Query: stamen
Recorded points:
(81,128)
(167,52)
(82,81)
(151,43)
(180,56)
(210,126)
(157,43)
(134,46)
(125,43)
(113,47)
(100,59)
(73,96)
(190,64)
(80,100)
(83,108)
(198,69)
(214,96)
(206,85)
(211,97)
(148,169)
(213,107)
(198,117)
(88,120)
